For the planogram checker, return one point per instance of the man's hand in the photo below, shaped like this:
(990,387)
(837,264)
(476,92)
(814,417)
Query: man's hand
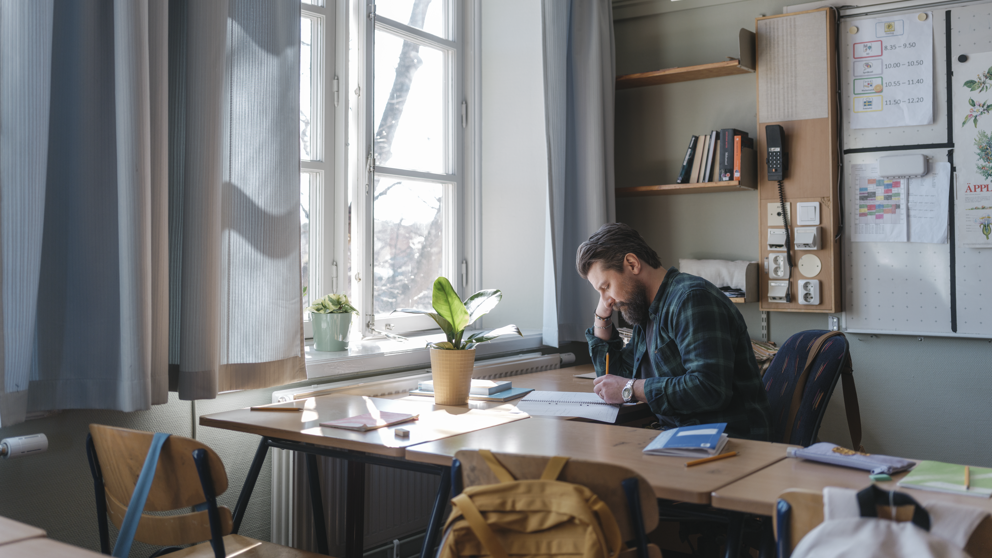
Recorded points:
(610,388)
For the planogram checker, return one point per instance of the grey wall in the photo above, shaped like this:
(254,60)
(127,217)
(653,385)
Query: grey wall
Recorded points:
(925,399)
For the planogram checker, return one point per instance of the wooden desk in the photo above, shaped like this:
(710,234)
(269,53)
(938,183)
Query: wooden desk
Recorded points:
(758,493)
(45,548)
(14,531)
(620,445)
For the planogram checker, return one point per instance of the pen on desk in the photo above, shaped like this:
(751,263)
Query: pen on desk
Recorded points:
(967,477)
(278,409)
(607,364)
(708,459)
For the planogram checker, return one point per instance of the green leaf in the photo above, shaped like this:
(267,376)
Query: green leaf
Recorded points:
(966,119)
(447,304)
(444,345)
(481,303)
(483,337)
(971,102)
(975,121)
(970,84)
(441,322)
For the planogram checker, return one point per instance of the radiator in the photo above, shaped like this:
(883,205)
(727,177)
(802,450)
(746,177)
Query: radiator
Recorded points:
(397,502)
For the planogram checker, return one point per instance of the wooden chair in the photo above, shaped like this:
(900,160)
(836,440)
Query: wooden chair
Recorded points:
(626,493)
(800,511)
(189,474)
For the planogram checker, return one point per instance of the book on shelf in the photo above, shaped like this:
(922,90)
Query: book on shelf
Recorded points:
(737,157)
(370,421)
(702,149)
(690,153)
(701,440)
(697,160)
(949,478)
(725,167)
(711,157)
(479,387)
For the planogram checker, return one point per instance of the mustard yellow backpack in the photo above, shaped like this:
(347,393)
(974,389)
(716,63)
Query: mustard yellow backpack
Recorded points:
(543,517)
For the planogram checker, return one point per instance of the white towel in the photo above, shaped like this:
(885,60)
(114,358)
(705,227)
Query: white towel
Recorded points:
(722,273)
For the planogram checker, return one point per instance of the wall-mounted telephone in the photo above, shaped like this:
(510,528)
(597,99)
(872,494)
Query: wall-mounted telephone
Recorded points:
(778,162)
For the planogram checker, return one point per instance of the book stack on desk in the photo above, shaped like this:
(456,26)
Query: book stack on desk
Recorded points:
(481,390)
(701,440)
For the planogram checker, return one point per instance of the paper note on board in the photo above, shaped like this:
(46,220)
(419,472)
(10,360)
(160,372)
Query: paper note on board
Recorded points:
(892,72)
(877,206)
(928,199)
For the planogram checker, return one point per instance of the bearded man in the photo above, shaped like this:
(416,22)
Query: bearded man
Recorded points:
(690,357)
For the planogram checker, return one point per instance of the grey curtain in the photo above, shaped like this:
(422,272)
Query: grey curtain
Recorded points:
(579,76)
(149,191)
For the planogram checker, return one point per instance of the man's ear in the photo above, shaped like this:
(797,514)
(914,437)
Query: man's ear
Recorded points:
(633,263)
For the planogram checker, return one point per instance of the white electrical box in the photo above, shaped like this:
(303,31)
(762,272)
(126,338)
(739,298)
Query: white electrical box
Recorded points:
(777,290)
(807,238)
(776,239)
(807,214)
(809,291)
(902,166)
(778,266)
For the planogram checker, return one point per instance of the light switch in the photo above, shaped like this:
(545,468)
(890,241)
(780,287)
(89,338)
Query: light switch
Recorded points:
(809,214)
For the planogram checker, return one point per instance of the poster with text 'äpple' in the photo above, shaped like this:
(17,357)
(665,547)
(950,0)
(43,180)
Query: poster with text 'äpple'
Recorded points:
(892,65)
(972,99)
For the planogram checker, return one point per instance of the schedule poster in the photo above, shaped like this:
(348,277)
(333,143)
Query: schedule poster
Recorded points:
(892,71)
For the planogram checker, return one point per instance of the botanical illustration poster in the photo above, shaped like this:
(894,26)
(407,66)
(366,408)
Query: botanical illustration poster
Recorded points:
(973,149)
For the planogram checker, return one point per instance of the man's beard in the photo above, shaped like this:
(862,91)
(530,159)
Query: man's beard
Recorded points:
(635,308)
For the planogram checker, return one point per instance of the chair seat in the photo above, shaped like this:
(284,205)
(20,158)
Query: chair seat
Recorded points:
(244,547)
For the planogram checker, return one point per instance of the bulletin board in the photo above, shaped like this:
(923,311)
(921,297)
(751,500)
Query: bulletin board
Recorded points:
(917,288)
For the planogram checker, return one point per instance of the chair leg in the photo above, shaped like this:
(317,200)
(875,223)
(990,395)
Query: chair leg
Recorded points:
(434,524)
(101,495)
(200,458)
(632,490)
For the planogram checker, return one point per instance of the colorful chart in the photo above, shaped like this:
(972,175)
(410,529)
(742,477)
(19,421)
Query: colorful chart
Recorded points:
(879,201)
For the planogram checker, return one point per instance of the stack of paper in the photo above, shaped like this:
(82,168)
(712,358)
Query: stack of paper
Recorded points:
(569,404)
(368,421)
(690,441)
(949,478)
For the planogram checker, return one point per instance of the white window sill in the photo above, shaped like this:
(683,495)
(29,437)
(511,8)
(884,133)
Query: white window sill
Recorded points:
(367,355)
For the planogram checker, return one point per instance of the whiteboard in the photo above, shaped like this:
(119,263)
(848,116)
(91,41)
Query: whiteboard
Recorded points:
(912,288)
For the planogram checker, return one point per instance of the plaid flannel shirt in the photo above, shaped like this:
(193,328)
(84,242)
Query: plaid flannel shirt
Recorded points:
(700,367)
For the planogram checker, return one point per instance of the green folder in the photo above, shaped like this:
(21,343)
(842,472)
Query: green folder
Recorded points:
(949,478)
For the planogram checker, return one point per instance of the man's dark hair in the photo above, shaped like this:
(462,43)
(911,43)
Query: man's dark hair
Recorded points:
(609,245)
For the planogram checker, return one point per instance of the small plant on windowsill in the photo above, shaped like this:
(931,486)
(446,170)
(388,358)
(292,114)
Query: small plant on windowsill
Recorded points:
(331,320)
(452,360)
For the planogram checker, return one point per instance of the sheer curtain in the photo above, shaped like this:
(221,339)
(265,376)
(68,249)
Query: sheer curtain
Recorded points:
(579,76)
(149,194)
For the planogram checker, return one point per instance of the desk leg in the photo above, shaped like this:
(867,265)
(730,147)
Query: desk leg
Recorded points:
(440,502)
(317,504)
(767,539)
(736,521)
(354,522)
(253,471)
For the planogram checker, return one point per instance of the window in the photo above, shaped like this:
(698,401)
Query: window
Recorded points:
(382,189)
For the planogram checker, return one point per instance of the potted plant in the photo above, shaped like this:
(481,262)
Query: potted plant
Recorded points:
(452,360)
(331,319)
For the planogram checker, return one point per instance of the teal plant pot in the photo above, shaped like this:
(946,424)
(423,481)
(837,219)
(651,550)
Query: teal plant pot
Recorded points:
(330,331)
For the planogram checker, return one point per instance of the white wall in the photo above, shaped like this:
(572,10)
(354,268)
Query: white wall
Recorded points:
(514,160)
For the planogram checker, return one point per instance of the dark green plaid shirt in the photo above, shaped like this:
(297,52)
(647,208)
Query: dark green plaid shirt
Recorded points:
(701,367)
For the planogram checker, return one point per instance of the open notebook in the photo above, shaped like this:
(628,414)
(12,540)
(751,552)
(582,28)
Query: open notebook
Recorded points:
(568,404)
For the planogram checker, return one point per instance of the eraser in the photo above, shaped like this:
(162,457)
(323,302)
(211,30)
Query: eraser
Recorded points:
(401,433)
(880,477)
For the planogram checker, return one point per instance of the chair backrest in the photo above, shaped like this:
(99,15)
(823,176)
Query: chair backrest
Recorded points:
(121,455)
(800,511)
(603,479)
(783,375)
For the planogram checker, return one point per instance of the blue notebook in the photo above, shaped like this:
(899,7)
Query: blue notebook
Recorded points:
(701,440)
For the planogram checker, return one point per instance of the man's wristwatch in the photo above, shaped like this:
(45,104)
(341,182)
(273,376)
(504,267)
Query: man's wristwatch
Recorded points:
(628,391)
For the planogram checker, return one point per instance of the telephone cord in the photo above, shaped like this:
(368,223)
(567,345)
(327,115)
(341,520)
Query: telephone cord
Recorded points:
(788,237)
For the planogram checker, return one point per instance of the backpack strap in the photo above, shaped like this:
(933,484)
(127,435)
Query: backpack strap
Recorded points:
(137,504)
(873,496)
(479,526)
(497,468)
(847,381)
(554,467)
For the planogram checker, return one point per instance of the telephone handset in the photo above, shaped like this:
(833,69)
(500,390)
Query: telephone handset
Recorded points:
(778,163)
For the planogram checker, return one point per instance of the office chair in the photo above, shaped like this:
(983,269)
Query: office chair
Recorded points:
(189,474)
(629,497)
(798,387)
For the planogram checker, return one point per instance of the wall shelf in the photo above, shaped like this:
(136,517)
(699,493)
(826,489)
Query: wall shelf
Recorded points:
(688,73)
(697,188)
(737,300)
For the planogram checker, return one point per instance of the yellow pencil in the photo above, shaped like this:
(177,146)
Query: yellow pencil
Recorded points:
(967,477)
(708,459)
(607,364)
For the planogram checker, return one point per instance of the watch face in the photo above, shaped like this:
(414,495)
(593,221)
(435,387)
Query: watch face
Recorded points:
(627,393)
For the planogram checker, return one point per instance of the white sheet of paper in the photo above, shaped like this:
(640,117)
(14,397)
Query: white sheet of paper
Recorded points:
(928,205)
(587,376)
(568,404)
(877,206)
(892,64)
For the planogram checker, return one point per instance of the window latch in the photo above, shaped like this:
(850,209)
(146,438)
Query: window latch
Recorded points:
(337,91)
(464,114)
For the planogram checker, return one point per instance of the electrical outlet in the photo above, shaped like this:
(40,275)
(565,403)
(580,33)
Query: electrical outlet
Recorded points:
(809,291)
(778,291)
(775,214)
(834,323)
(778,266)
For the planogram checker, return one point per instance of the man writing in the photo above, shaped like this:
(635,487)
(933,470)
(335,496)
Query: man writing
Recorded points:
(690,356)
